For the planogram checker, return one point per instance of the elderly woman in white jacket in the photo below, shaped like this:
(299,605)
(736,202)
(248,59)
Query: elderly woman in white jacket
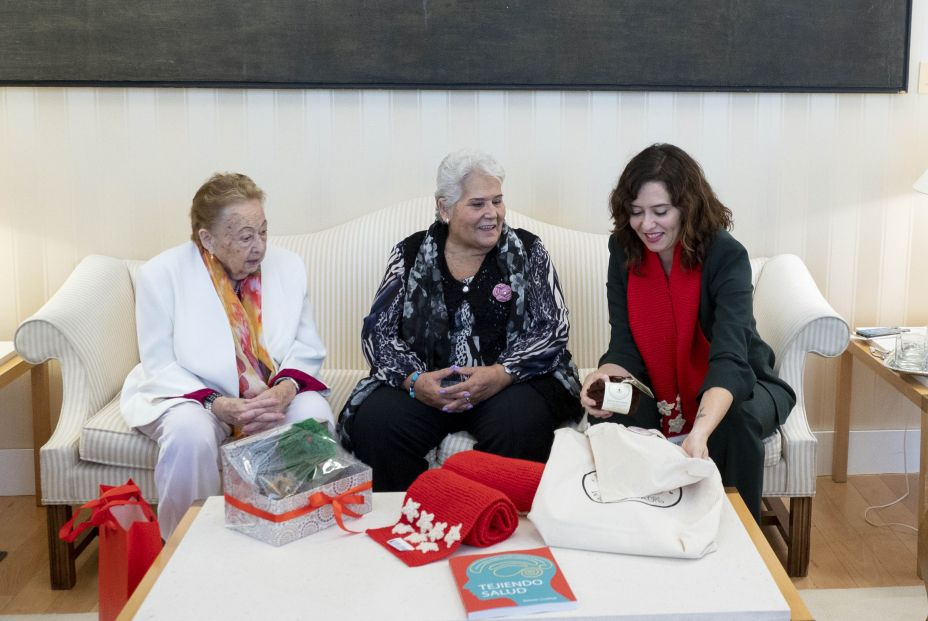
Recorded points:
(226,340)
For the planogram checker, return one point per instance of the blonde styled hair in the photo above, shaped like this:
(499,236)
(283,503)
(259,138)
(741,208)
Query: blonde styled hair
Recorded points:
(220,191)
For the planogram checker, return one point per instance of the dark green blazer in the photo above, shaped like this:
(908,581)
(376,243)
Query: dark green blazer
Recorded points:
(739,360)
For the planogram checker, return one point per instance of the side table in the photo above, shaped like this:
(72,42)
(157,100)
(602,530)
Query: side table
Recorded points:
(11,367)
(914,391)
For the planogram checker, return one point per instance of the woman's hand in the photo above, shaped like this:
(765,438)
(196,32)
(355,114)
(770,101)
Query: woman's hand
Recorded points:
(480,384)
(267,409)
(602,373)
(257,413)
(228,409)
(695,445)
(428,388)
(713,407)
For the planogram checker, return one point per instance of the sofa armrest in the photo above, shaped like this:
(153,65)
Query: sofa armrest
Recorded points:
(795,320)
(88,325)
(791,311)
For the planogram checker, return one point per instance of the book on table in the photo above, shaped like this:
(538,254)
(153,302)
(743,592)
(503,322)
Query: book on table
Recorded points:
(500,584)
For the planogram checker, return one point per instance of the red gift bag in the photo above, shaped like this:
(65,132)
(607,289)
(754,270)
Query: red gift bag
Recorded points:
(129,542)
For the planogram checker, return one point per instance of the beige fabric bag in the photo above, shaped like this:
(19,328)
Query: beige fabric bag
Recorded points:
(569,511)
(632,462)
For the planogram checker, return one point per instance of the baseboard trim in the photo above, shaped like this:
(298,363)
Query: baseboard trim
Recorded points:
(872,452)
(16,466)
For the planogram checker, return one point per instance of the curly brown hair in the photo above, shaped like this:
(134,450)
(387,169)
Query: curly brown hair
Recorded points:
(702,214)
(217,193)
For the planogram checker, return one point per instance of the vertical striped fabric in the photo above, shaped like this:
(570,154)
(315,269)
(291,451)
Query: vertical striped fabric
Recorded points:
(794,319)
(89,326)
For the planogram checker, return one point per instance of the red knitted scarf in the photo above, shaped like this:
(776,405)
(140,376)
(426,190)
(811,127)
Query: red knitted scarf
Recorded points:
(473,499)
(663,313)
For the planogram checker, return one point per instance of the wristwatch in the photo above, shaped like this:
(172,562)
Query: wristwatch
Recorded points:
(208,401)
(296,384)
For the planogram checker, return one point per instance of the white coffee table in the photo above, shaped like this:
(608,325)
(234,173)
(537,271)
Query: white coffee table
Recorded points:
(210,572)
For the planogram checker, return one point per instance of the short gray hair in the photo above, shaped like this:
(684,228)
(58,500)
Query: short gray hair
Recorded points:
(455,168)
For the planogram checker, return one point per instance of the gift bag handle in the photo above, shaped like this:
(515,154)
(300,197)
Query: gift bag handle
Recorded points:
(128,494)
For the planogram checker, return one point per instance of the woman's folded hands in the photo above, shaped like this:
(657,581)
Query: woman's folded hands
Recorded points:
(257,413)
(458,389)
(478,385)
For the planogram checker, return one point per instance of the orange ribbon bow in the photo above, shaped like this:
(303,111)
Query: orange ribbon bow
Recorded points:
(315,501)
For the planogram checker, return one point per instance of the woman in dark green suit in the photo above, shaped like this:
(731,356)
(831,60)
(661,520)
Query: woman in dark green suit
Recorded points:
(680,306)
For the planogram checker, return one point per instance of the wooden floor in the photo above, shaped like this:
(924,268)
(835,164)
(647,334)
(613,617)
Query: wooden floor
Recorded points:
(846,551)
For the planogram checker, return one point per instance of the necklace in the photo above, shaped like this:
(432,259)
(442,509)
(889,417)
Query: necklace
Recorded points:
(466,282)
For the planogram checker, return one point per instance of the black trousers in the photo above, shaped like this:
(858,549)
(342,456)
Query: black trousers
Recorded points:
(737,444)
(392,433)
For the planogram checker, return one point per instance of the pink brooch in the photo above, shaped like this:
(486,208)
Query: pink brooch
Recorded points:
(502,292)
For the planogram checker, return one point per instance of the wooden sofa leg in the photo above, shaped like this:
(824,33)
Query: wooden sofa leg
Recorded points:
(60,554)
(800,536)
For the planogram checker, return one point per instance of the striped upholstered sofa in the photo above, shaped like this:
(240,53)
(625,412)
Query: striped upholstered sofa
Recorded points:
(89,327)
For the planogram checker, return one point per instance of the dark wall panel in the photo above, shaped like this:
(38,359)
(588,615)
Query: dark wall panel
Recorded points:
(767,45)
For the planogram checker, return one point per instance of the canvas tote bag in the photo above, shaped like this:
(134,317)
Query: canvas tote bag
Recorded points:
(569,510)
(632,462)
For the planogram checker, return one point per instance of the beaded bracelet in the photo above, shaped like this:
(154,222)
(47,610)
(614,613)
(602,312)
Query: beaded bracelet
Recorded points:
(412,384)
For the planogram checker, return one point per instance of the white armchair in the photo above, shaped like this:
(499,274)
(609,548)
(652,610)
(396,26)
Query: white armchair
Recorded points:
(89,327)
(794,319)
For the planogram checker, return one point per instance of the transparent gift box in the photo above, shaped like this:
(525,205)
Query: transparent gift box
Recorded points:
(290,482)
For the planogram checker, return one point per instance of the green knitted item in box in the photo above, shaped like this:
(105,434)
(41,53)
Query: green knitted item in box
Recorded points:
(297,459)
(304,444)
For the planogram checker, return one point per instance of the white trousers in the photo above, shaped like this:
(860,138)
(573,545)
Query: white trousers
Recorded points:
(188,440)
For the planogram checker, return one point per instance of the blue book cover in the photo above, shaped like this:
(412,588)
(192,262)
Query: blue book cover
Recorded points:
(514,582)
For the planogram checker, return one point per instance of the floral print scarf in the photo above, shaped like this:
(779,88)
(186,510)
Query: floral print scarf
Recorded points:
(255,366)
(425,322)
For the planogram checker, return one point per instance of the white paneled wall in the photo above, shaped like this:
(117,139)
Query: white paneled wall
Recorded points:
(112,170)
(824,176)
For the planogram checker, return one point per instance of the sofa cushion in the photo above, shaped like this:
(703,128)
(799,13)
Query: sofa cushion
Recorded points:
(341,382)
(772,450)
(106,439)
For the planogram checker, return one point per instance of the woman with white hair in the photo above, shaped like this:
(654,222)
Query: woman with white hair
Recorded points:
(468,331)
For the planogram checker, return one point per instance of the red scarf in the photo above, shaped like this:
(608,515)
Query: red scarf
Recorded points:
(663,313)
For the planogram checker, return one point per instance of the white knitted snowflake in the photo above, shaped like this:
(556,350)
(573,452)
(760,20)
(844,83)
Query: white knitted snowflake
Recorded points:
(425,520)
(411,509)
(454,534)
(423,532)
(416,537)
(438,531)
(674,414)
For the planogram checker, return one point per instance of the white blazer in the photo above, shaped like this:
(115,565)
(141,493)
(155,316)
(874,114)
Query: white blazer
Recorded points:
(185,342)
